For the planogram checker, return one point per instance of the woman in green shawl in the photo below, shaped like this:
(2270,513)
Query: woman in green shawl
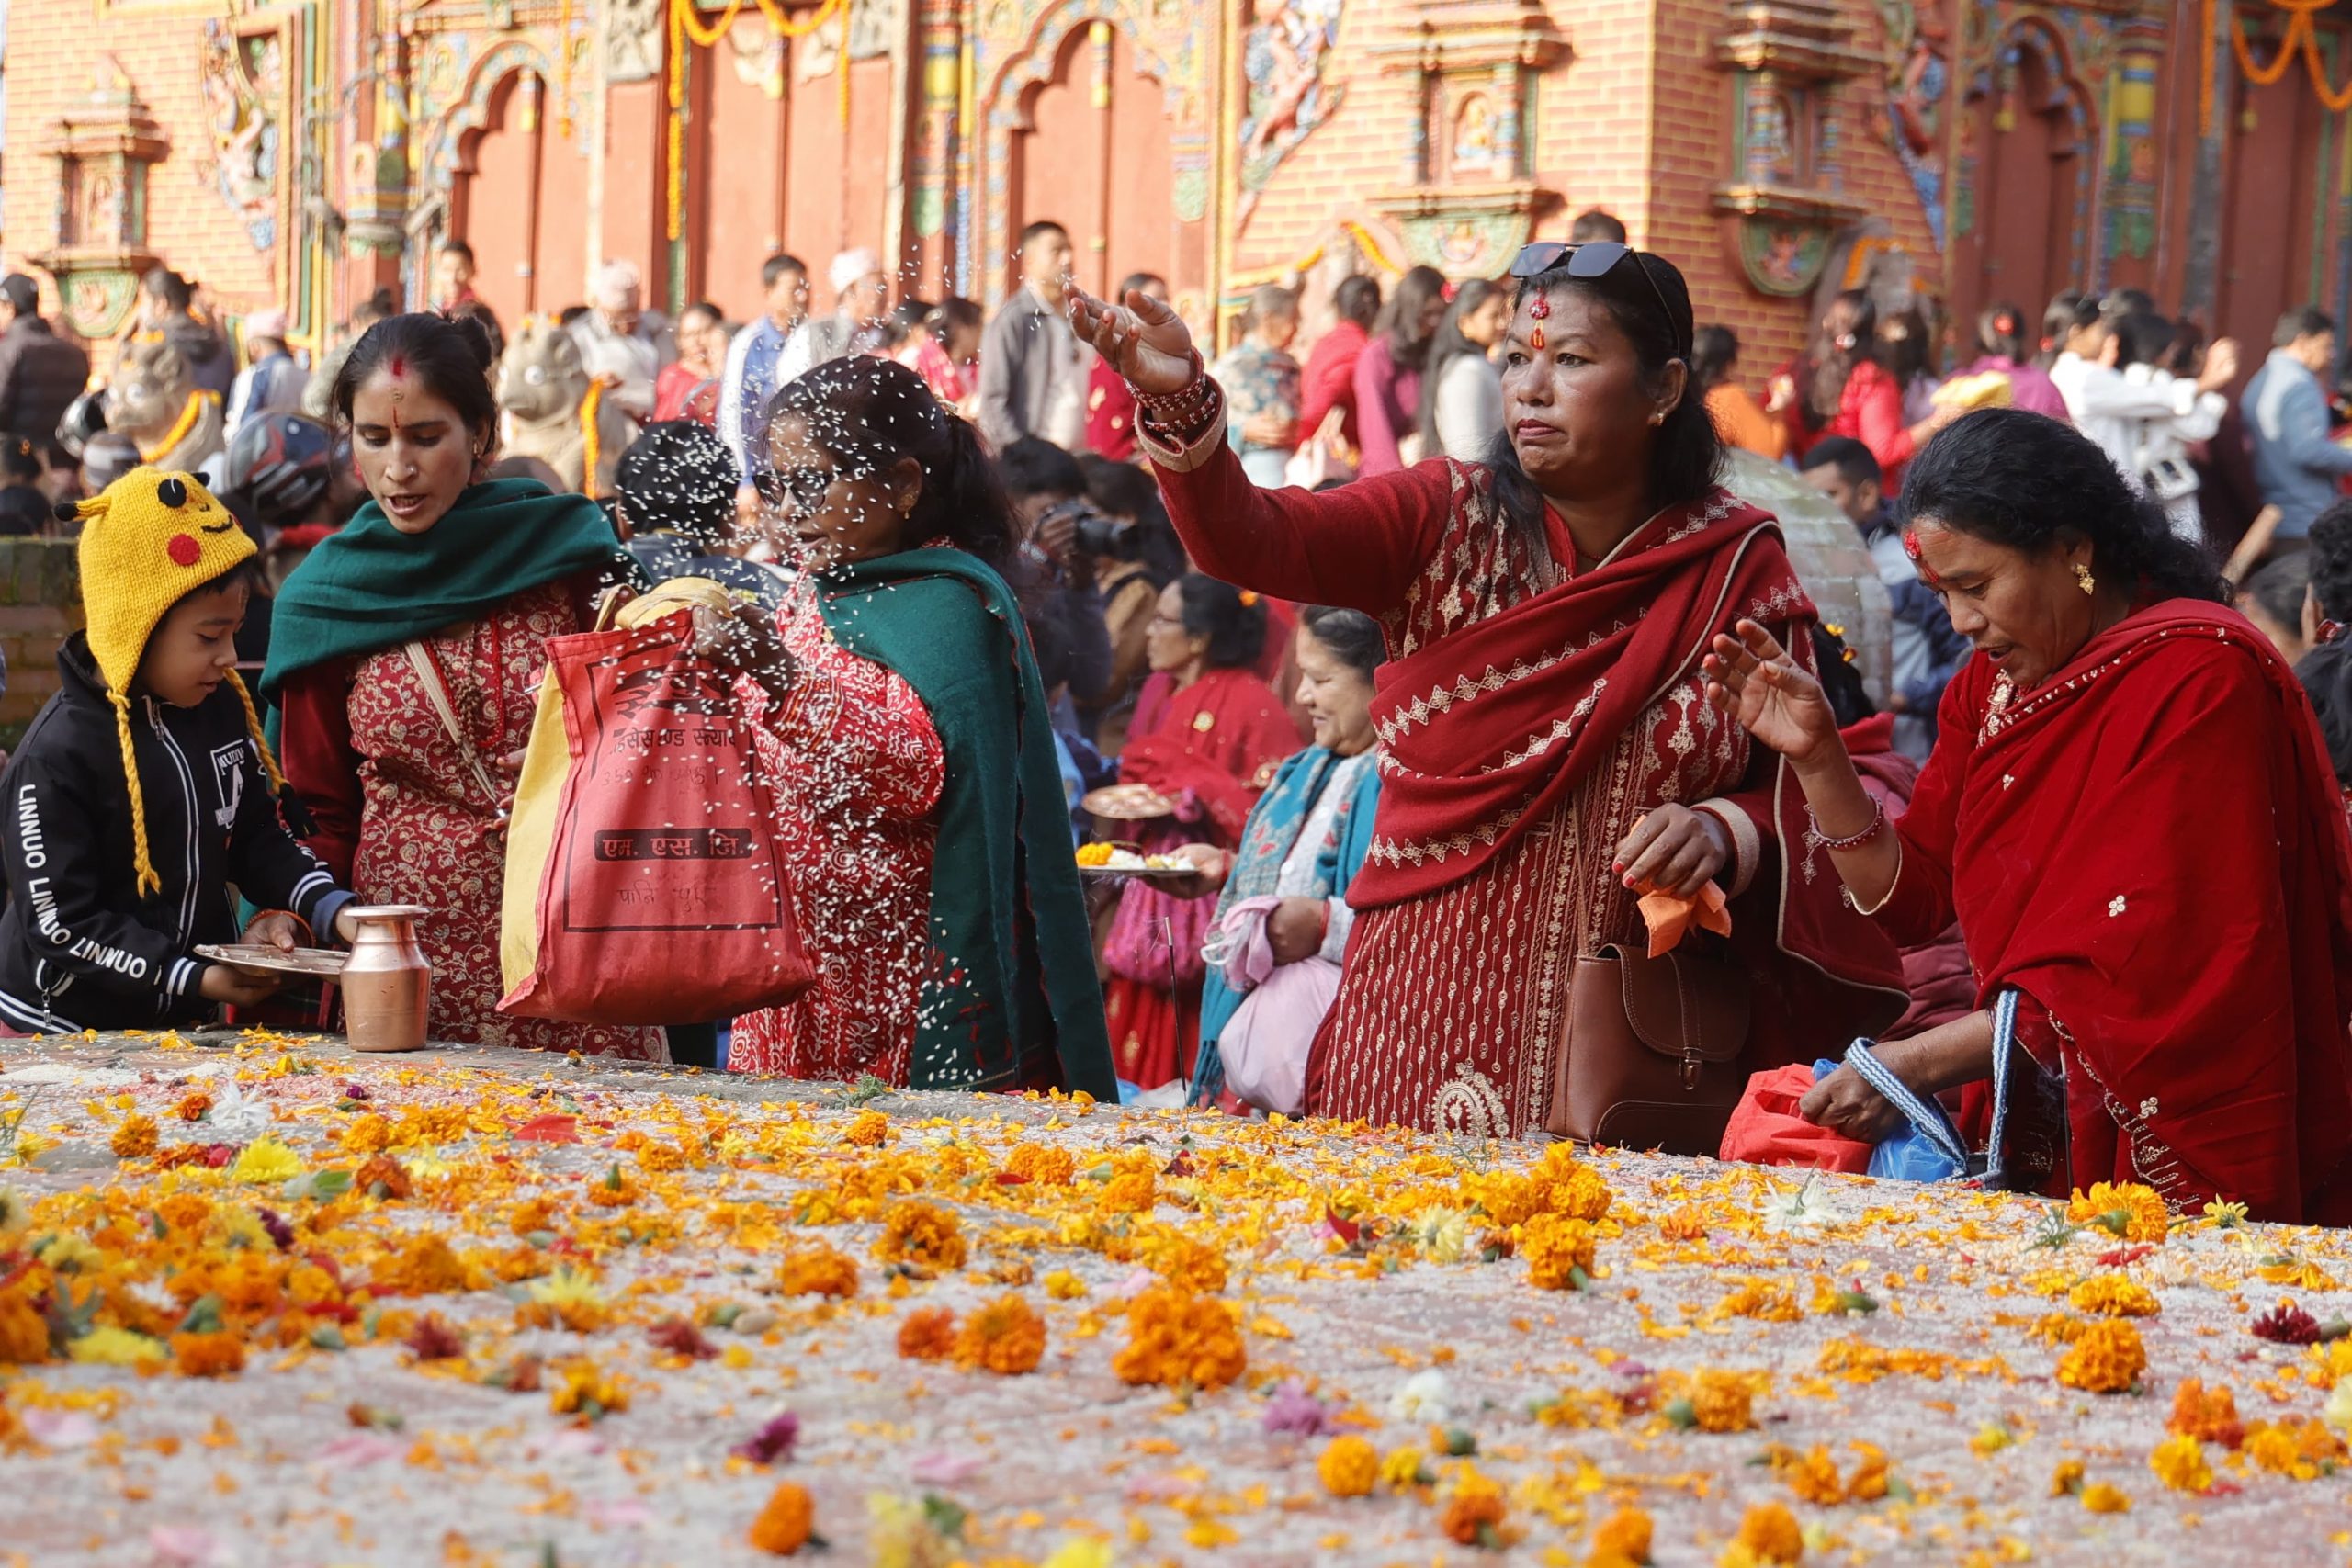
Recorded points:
(405,657)
(921,799)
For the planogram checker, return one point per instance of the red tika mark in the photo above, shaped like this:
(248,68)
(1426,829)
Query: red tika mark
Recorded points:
(1539,311)
(1911,548)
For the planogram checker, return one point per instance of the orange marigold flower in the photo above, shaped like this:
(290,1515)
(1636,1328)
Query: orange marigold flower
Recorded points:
(1813,1477)
(1348,1467)
(2101,1498)
(660,1158)
(2179,1463)
(2126,1208)
(1474,1511)
(212,1355)
(1687,1223)
(2106,1359)
(1556,1249)
(921,1236)
(135,1139)
(532,1214)
(1043,1163)
(867,1130)
(192,1106)
(1179,1339)
(586,1390)
(1005,1336)
(2113,1295)
(785,1525)
(2208,1414)
(927,1333)
(424,1265)
(367,1134)
(185,1211)
(1716,1401)
(614,1189)
(1132,1193)
(24,1334)
(1622,1538)
(1868,1483)
(1767,1534)
(818,1270)
(1186,1264)
(384,1172)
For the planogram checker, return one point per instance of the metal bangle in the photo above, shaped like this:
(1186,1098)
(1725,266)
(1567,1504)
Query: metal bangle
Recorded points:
(1854,840)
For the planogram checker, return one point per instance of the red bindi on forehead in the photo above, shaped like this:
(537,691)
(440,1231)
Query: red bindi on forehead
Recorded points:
(1911,548)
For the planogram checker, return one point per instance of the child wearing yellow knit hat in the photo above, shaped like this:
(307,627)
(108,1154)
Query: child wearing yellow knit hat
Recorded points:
(144,790)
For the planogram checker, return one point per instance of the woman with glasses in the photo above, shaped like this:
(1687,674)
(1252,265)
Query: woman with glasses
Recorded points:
(1548,756)
(920,800)
(1207,736)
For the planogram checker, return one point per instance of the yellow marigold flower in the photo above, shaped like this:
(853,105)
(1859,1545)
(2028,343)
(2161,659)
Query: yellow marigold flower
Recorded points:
(24,1334)
(212,1355)
(786,1522)
(1179,1339)
(921,1236)
(571,1298)
(2113,1295)
(867,1130)
(2179,1463)
(2067,1479)
(584,1390)
(1556,1249)
(1758,1299)
(1348,1467)
(2108,1359)
(1133,1192)
(1623,1538)
(2208,1414)
(266,1161)
(2130,1211)
(424,1265)
(2273,1449)
(1768,1534)
(1868,1483)
(818,1270)
(1814,1478)
(927,1333)
(2099,1498)
(1186,1264)
(1578,1192)
(1720,1402)
(368,1135)
(1064,1286)
(1474,1511)
(1005,1336)
(531,1214)
(1401,1468)
(1045,1164)
(135,1139)
(660,1158)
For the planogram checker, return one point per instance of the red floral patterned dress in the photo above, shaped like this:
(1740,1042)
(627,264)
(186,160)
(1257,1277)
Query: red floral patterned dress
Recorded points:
(858,767)
(426,833)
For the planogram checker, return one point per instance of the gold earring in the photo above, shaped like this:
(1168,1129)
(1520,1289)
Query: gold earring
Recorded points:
(2084,579)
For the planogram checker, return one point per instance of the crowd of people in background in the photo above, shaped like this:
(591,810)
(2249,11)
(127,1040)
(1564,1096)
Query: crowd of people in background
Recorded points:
(1018,583)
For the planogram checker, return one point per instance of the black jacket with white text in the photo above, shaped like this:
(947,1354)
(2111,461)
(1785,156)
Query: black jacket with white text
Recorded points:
(79,947)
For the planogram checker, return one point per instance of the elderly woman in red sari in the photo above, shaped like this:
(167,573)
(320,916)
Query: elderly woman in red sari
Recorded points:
(1548,754)
(1207,734)
(2129,809)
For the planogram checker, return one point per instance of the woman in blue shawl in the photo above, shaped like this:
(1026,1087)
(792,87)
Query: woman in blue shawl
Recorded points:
(1307,835)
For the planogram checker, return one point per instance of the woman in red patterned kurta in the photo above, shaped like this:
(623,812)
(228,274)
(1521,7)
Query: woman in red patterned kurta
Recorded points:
(441,586)
(1547,752)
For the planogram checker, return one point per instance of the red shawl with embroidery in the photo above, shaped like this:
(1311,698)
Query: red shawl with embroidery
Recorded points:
(1218,737)
(2149,845)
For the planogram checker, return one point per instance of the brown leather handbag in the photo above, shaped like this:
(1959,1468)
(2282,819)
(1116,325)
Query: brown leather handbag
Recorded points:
(1649,1051)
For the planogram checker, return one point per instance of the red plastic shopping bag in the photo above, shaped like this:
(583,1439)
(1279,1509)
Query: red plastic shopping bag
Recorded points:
(643,884)
(1765,1128)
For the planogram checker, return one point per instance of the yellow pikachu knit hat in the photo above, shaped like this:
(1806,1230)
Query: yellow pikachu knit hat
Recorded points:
(149,540)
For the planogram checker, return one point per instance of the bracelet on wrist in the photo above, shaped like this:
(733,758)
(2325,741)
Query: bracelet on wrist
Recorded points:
(1817,838)
(1184,406)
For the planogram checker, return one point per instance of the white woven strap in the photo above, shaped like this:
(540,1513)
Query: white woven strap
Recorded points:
(428,675)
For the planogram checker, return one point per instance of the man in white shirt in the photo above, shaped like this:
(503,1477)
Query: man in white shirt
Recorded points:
(2109,409)
(861,294)
(766,355)
(273,381)
(620,341)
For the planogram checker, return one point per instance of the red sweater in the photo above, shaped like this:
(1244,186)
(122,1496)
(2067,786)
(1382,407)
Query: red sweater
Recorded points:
(1870,412)
(1329,382)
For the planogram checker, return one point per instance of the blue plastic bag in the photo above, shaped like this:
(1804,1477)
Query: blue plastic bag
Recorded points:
(1933,1150)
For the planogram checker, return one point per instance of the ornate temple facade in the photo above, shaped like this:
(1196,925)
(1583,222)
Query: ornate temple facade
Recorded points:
(304,152)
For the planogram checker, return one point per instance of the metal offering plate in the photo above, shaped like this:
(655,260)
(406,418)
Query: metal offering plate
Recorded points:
(318,962)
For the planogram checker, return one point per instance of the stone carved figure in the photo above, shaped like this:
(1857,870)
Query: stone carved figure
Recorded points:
(1283,56)
(151,400)
(629,33)
(543,389)
(240,77)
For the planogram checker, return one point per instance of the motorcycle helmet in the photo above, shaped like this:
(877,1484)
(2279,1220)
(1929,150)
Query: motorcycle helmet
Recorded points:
(85,416)
(279,463)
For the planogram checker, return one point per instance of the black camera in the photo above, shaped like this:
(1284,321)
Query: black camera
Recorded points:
(1094,534)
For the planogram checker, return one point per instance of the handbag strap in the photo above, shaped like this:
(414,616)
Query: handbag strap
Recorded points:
(2004,1039)
(1929,1123)
(428,675)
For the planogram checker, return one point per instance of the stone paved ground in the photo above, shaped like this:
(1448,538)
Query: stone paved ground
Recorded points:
(609,1236)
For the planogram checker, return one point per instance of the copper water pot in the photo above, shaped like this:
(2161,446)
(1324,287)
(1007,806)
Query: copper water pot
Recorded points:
(387,984)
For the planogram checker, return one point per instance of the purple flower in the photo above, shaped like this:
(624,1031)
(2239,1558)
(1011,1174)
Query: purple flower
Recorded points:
(1296,1412)
(280,1230)
(772,1442)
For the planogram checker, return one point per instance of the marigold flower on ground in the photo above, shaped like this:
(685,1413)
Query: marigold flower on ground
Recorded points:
(2297,1447)
(2108,1359)
(785,1523)
(1186,1264)
(135,1139)
(212,1355)
(614,1191)
(660,1158)
(2099,1498)
(1064,1286)
(2208,1414)
(424,1265)
(571,1298)
(1131,1193)
(2113,1295)
(1558,1249)
(867,1130)
(1768,1534)
(921,1236)
(1474,1511)
(1348,1467)
(927,1333)
(1622,1538)
(817,1270)
(1713,1401)
(1813,1477)
(2179,1463)
(1179,1339)
(116,1348)
(1005,1336)
(24,1336)
(265,1162)
(384,1177)
(1687,1223)
(2067,1479)
(2126,1208)
(1046,1164)
(369,1133)
(193,1106)
(584,1390)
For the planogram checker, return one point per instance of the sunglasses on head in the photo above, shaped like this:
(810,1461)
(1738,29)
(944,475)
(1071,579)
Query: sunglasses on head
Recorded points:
(1592,259)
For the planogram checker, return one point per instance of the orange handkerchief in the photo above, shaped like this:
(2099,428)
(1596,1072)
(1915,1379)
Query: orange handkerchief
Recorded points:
(1669,916)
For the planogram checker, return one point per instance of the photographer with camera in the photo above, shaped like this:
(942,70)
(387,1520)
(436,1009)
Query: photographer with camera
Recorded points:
(1063,536)
(1144,557)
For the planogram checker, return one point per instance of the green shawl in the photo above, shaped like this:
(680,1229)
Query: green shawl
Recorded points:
(1016,977)
(369,586)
